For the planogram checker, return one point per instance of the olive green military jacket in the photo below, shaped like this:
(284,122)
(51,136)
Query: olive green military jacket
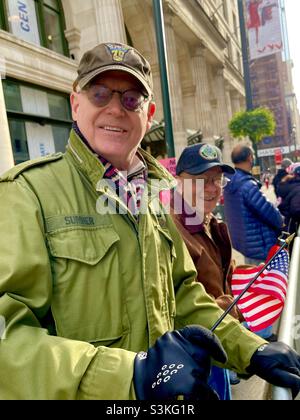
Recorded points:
(81,292)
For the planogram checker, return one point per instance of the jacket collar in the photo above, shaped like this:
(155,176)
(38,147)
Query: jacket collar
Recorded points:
(89,164)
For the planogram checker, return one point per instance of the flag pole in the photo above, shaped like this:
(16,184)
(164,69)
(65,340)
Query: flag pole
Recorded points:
(285,242)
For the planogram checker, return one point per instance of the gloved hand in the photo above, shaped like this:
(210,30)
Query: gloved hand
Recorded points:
(178,364)
(278,364)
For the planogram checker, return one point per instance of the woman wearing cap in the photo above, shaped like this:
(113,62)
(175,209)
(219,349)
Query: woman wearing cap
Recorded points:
(200,175)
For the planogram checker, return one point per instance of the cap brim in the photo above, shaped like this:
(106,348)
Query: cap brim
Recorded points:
(196,171)
(85,80)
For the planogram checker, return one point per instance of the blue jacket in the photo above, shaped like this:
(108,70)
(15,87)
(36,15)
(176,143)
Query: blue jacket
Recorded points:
(254,222)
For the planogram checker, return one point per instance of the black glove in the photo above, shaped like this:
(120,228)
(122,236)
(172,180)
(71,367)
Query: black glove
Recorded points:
(178,364)
(278,364)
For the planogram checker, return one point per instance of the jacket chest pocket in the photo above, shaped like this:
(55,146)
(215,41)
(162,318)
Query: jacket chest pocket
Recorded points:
(87,299)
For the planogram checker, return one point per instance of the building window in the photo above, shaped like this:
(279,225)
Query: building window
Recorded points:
(2,17)
(52,25)
(38,21)
(39,120)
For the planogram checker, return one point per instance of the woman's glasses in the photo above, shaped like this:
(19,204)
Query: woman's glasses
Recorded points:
(220,181)
(101,95)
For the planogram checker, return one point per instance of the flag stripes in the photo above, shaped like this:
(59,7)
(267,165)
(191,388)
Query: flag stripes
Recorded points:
(262,304)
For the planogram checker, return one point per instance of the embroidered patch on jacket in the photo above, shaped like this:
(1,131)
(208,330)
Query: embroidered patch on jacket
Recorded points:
(208,152)
(117,51)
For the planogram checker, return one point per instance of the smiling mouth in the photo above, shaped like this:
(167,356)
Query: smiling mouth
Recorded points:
(112,129)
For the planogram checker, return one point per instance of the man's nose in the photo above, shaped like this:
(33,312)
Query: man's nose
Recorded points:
(210,185)
(115,106)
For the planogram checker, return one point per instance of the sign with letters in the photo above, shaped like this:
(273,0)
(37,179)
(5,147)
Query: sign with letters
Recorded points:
(271,151)
(39,139)
(22,20)
(170,164)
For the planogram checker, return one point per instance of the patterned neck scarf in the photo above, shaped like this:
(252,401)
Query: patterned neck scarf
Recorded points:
(128,186)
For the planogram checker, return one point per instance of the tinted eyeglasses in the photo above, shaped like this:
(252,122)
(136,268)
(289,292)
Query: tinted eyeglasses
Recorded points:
(101,95)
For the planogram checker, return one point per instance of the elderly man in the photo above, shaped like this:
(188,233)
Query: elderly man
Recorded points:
(98,291)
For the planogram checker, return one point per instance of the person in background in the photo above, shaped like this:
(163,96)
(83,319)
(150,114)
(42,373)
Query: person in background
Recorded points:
(289,193)
(97,289)
(281,173)
(207,240)
(254,222)
(266,178)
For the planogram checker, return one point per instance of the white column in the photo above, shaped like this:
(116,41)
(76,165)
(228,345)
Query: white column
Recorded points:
(202,96)
(223,114)
(230,115)
(109,21)
(175,88)
(6,153)
(159,113)
(73,36)
(236,107)
(214,118)
(235,102)
(228,101)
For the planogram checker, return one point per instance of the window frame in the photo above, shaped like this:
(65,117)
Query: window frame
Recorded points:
(13,115)
(3,17)
(35,117)
(39,9)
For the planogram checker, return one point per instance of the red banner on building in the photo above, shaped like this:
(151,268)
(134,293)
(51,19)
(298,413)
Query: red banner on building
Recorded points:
(264,27)
(278,156)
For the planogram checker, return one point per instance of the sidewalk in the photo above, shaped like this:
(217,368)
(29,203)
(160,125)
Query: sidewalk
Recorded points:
(238,257)
(269,192)
(254,388)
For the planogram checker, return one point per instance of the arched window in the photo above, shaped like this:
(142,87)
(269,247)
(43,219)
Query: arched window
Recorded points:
(38,21)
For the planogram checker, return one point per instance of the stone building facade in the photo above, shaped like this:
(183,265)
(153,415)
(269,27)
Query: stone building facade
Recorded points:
(41,42)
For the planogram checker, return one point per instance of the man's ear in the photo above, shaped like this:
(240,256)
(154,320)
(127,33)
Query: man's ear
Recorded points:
(74,104)
(151,112)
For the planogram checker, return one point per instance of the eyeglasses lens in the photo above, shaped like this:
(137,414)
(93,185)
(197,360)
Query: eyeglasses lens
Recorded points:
(100,96)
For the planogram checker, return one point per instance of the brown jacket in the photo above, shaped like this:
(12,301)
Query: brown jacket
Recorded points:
(212,258)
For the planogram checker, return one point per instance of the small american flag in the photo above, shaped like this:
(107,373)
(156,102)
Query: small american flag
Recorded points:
(262,304)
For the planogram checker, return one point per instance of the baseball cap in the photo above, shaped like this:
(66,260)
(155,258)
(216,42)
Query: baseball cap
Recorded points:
(198,158)
(114,56)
